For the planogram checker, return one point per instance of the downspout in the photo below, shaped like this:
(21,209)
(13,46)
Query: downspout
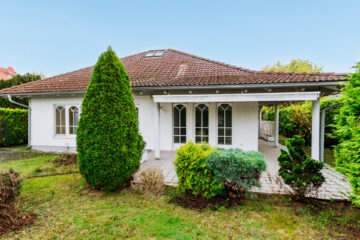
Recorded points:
(322,129)
(29,117)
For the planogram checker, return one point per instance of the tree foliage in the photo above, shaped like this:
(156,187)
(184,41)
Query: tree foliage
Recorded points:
(108,141)
(17,80)
(300,172)
(347,153)
(295,65)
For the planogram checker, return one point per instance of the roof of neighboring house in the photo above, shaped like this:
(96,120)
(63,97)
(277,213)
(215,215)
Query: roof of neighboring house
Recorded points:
(165,68)
(6,73)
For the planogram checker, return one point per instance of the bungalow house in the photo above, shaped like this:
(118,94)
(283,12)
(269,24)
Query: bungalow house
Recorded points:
(179,97)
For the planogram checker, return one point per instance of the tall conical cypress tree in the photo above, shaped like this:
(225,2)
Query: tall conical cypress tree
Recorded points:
(108,141)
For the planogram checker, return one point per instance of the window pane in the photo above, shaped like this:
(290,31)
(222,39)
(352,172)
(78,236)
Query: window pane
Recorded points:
(198,139)
(220,140)
(183,117)
(228,140)
(183,139)
(228,117)
(198,131)
(206,117)
(205,139)
(220,117)
(198,117)
(176,139)
(183,131)
(176,131)
(220,131)
(228,132)
(60,120)
(176,117)
(205,131)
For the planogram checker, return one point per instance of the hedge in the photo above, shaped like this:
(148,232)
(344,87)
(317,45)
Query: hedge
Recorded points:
(13,126)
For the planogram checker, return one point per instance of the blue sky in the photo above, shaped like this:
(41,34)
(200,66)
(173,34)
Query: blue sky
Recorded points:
(53,38)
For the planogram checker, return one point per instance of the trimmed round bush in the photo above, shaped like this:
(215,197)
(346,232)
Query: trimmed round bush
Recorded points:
(108,141)
(194,177)
(237,169)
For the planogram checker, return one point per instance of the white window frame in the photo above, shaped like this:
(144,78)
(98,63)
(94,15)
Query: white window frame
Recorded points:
(232,125)
(176,145)
(66,106)
(208,127)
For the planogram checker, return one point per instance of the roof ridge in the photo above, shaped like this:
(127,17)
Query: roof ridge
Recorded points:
(211,60)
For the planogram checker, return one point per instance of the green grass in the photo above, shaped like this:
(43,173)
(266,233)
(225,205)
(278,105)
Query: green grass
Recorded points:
(67,209)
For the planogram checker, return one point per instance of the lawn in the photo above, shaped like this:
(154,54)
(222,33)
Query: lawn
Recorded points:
(68,209)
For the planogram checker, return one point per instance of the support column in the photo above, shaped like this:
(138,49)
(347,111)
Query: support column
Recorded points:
(276,118)
(259,124)
(315,130)
(157,130)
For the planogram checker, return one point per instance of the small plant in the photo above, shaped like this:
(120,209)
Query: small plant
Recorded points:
(150,180)
(237,169)
(194,177)
(300,172)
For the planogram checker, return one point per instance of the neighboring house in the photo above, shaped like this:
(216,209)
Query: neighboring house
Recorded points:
(180,97)
(7,73)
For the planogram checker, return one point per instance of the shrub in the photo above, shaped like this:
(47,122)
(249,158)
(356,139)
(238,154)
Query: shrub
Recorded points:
(13,126)
(237,169)
(194,177)
(301,173)
(108,141)
(347,153)
(151,180)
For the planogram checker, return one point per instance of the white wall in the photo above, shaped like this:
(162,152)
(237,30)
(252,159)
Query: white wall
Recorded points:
(245,124)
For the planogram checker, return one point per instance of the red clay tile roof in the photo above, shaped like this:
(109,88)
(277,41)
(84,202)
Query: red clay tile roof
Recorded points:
(6,73)
(174,68)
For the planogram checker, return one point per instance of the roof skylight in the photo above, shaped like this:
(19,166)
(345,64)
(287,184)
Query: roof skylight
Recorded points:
(155,54)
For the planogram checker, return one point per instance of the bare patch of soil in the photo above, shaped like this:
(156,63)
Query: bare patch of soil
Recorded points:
(65,159)
(190,201)
(14,221)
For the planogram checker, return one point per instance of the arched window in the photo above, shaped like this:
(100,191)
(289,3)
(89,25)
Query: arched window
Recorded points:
(201,123)
(73,119)
(179,124)
(60,120)
(225,124)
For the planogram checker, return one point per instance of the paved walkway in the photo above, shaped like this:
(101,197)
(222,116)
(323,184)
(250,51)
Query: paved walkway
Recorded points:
(336,186)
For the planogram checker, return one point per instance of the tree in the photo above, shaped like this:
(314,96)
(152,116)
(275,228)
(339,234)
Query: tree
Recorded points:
(347,153)
(300,172)
(296,65)
(17,80)
(108,141)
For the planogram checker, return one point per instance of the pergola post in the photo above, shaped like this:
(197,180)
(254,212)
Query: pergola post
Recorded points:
(260,117)
(276,118)
(315,130)
(157,130)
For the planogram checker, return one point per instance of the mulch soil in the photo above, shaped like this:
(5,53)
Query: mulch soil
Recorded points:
(15,222)
(65,159)
(190,201)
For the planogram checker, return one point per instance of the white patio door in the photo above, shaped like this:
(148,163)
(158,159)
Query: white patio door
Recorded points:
(201,123)
(179,125)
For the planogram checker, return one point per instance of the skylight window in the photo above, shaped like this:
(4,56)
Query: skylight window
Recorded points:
(155,54)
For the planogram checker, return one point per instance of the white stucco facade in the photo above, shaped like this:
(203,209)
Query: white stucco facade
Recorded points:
(244,124)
